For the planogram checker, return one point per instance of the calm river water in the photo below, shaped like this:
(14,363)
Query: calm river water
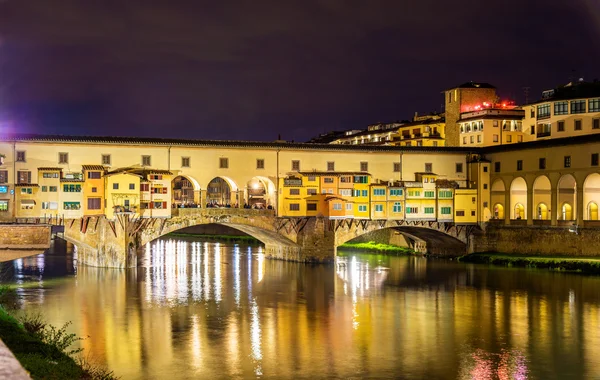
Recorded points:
(199,309)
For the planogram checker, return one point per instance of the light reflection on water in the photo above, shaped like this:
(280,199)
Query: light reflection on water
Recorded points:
(208,310)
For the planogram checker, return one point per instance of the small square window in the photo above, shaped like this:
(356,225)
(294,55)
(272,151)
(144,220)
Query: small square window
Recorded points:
(63,158)
(485,185)
(595,123)
(94,189)
(495,138)
(364,166)
(428,167)
(185,162)
(20,156)
(223,163)
(106,159)
(459,167)
(567,161)
(115,186)
(132,186)
(396,167)
(330,166)
(296,165)
(485,169)
(542,163)
(561,126)
(472,212)
(578,125)
(146,161)
(260,163)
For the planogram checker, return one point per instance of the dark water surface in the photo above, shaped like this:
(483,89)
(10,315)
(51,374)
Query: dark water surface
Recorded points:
(208,310)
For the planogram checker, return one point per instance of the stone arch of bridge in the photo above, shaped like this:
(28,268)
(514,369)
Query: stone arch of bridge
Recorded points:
(440,239)
(275,244)
(222,190)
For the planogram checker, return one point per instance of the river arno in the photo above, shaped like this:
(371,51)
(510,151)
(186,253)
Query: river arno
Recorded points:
(207,310)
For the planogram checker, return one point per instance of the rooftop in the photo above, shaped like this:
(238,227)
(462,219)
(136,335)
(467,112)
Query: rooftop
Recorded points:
(474,85)
(572,90)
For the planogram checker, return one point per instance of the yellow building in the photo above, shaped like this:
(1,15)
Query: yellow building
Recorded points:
(465,206)
(375,134)
(155,191)
(122,193)
(569,110)
(48,194)
(93,190)
(26,195)
(395,200)
(378,201)
(71,195)
(428,130)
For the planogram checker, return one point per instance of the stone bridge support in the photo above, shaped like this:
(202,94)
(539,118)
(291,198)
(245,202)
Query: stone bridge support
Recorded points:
(116,243)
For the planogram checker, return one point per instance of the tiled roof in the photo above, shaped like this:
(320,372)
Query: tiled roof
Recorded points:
(220,143)
(93,167)
(159,171)
(27,185)
(474,85)
(47,169)
(582,139)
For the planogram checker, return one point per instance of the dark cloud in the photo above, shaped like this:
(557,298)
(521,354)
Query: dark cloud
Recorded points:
(256,69)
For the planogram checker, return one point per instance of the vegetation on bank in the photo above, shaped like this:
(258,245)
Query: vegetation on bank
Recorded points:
(228,238)
(43,350)
(568,264)
(378,247)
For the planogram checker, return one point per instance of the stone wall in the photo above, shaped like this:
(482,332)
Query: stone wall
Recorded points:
(383,236)
(24,236)
(537,240)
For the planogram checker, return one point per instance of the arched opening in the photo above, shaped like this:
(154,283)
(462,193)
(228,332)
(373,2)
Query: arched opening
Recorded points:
(542,196)
(498,211)
(260,193)
(497,198)
(591,196)
(222,192)
(518,198)
(567,197)
(542,212)
(592,211)
(566,212)
(185,192)
(519,212)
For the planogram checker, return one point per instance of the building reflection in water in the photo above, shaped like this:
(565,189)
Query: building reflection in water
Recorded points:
(207,310)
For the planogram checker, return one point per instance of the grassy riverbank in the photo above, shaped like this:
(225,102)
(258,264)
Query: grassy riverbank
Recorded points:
(377,247)
(43,350)
(227,238)
(556,263)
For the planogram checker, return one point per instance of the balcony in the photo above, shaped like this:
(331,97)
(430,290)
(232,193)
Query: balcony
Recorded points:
(543,134)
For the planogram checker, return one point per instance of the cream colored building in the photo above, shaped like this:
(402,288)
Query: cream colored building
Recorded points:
(570,110)
(492,126)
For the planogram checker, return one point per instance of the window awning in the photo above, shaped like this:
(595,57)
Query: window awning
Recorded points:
(27,202)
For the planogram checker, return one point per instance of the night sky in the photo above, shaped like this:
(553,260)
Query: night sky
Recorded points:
(255,69)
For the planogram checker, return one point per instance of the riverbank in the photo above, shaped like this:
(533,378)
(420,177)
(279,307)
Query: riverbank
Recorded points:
(372,246)
(41,349)
(227,238)
(555,263)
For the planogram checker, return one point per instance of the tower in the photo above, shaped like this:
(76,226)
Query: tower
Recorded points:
(464,98)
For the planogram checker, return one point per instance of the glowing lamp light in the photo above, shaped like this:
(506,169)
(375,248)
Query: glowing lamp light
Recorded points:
(255,186)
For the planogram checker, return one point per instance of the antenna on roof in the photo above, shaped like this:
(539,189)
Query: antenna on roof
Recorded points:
(526,92)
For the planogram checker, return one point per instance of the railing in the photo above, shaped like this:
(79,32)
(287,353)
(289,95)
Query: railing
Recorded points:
(182,212)
(543,134)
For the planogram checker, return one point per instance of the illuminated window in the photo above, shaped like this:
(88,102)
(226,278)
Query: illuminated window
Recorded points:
(594,105)
(561,108)
(577,106)
(543,111)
